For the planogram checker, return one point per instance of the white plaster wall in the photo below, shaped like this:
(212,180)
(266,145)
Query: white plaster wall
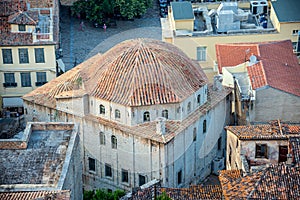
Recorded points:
(248,149)
(274,104)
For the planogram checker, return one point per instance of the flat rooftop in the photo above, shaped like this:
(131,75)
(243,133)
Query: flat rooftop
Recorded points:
(38,157)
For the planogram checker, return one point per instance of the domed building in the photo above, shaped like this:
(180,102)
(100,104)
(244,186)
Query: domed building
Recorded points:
(145,111)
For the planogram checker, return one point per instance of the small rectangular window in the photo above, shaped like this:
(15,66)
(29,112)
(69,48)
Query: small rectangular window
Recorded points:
(142,180)
(108,170)
(102,138)
(179,177)
(23,56)
(41,78)
(92,164)
(22,27)
(124,176)
(25,79)
(7,56)
(39,55)
(261,151)
(201,53)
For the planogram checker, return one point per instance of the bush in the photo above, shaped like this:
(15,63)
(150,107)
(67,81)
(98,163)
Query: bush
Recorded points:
(103,194)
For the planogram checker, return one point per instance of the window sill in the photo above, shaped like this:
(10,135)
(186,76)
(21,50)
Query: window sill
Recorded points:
(92,172)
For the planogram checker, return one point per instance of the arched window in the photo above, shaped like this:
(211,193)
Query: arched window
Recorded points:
(189,107)
(204,126)
(102,138)
(102,109)
(146,116)
(195,134)
(114,142)
(199,99)
(165,114)
(117,114)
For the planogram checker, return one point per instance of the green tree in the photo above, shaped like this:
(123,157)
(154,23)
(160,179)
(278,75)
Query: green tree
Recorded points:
(102,194)
(163,196)
(97,10)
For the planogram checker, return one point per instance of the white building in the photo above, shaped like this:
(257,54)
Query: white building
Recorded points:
(145,112)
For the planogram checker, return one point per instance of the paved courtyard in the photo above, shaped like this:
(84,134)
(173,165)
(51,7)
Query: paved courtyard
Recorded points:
(80,45)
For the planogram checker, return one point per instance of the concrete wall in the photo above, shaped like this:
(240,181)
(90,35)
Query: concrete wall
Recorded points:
(195,158)
(184,25)
(142,156)
(273,104)
(233,152)
(73,175)
(248,149)
(135,115)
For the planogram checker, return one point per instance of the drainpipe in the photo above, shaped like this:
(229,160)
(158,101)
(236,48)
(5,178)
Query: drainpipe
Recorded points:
(235,99)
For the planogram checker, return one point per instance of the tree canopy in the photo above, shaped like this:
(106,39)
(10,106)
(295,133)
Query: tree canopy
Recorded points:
(98,10)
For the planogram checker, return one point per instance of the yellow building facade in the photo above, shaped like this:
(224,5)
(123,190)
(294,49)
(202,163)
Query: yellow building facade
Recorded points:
(201,45)
(29,40)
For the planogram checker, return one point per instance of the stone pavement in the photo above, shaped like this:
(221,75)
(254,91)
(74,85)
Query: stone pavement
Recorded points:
(79,45)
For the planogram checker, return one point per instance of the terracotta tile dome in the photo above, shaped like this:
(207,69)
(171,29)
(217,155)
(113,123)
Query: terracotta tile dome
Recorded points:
(143,72)
(133,73)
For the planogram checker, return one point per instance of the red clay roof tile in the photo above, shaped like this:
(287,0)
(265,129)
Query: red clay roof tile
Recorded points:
(277,65)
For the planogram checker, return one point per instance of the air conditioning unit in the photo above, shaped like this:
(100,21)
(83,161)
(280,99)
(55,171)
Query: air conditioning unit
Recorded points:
(259,7)
(218,164)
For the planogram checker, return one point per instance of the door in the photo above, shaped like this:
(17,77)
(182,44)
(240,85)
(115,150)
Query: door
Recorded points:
(283,151)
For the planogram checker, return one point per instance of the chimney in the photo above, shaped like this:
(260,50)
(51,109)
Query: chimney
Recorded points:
(252,60)
(218,83)
(161,125)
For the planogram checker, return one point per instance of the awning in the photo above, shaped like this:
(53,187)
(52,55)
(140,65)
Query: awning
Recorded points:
(61,65)
(12,102)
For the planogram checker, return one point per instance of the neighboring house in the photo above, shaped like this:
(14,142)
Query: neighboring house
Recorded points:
(231,22)
(28,43)
(44,161)
(145,112)
(261,144)
(264,76)
(278,181)
(183,17)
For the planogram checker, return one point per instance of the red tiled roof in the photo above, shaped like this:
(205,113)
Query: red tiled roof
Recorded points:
(266,131)
(277,65)
(135,72)
(34,195)
(280,181)
(26,18)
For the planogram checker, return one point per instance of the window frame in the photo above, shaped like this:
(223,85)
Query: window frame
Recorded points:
(102,138)
(39,55)
(41,78)
(117,114)
(146,116)
(165,114)
(204,126)
(92,164)
(101,109)
(179,177)
(23,56)
(9,79)
(25,79)
(7,56)
(140,179)
(189,107)
(108,170)
(114,142)
(261,150)
(124,176)
(199,99)
(202,53)
(21,27)
(194,134)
